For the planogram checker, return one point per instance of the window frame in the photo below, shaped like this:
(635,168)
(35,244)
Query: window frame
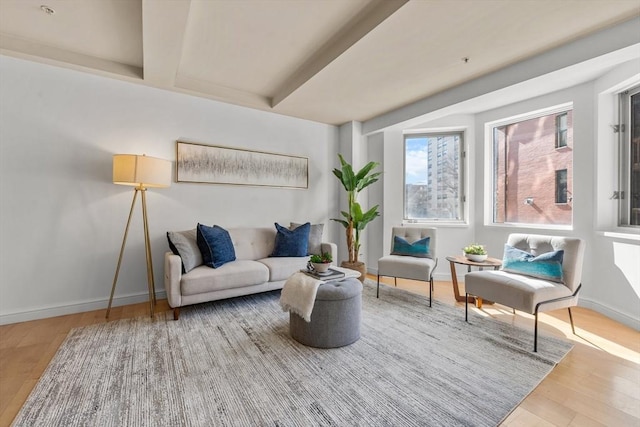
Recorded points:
(562,190)
(489,166)
(624,157)
(431,160)
(561,133)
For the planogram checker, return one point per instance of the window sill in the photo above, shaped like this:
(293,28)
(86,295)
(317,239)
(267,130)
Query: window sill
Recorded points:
(532,226)
(620,235)
(433,223)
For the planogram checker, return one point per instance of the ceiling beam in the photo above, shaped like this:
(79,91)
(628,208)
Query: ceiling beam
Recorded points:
(350,34)
(164,23)
(221,93)
(26,49)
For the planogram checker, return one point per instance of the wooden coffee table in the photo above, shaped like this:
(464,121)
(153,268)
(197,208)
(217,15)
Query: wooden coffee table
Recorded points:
(459,259)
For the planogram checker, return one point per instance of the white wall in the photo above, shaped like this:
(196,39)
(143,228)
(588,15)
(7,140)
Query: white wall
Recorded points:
(61,218)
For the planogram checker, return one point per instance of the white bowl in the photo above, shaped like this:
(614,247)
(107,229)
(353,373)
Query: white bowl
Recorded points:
(476,258)
(321,267)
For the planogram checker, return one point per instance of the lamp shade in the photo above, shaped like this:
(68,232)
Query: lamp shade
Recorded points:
(141,171)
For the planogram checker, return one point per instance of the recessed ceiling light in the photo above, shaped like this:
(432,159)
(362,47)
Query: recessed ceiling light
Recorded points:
(46,9)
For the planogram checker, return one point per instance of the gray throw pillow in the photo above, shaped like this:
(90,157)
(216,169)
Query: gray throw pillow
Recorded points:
(315,237)
(186,245)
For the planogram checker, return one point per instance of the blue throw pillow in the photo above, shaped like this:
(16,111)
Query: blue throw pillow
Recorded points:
(215,245)
(291,242)
(547,266)
(419,248)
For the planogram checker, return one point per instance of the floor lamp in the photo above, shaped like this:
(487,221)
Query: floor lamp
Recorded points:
(142,172)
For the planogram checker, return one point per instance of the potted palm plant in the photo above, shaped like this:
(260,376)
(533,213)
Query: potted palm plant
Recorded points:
(355,219)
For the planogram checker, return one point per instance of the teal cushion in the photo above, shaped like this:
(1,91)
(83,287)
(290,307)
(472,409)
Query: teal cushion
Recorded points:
(291,242)
(418,249)
(215,245)
(546,266)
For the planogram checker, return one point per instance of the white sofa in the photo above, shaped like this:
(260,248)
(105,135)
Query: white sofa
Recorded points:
(253,270)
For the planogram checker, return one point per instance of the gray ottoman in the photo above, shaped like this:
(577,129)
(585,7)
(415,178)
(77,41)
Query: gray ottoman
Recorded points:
(335,319)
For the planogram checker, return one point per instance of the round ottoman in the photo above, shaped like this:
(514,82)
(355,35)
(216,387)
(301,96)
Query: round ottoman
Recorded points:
(335,319)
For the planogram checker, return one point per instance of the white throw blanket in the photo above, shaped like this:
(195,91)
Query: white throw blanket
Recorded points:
(299,294)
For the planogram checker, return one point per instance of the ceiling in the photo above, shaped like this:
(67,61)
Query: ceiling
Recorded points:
(330,61)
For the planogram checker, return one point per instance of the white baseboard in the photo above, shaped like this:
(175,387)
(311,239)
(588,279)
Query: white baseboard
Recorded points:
(43,313)
(625,319)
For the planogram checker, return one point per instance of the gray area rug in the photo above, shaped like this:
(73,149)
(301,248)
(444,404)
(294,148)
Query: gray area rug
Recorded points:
(233,363)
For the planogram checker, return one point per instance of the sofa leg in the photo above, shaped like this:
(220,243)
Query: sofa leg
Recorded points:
(176,313)
(378,290)
(395,281)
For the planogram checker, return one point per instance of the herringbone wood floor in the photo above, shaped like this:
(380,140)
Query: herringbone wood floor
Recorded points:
(598,383)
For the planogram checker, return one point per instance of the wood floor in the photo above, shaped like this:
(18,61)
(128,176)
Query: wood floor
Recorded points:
(596,384)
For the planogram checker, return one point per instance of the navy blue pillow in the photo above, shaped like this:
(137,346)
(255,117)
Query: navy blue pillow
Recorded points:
(546,266)
(215,245)
(418,249)
(291,242)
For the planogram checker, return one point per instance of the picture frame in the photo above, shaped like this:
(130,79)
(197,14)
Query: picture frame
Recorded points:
(215,164)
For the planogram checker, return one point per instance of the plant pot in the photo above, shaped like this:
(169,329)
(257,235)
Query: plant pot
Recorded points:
(321,267)
(476,258)
(357,266)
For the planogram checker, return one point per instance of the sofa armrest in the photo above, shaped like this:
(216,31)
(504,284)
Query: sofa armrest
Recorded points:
(331,248)
(172,277)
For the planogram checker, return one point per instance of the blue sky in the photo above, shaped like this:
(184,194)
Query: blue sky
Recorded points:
(416,160)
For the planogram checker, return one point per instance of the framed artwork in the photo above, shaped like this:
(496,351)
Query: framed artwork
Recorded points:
(213,164)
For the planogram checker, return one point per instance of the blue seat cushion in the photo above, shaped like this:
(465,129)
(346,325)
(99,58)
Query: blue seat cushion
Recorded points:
(547,266)
(291,243)
(215,245)
(419,248)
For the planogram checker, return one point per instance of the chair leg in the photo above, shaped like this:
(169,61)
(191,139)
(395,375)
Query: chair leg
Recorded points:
(395,282)
(430,290)
(571,320)
(535,334)
(378,290)
(466,307)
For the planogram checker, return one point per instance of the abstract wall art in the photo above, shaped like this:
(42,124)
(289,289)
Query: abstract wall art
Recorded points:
(226,165)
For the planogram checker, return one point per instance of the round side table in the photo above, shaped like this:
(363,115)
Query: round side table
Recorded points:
(459,259)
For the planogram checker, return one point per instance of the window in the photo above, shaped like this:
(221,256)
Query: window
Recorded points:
(532,181)
(561,130)
(629,132)
(561,186)
(433,190)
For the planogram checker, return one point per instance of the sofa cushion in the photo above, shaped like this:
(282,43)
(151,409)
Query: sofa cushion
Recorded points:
(184,244)
(419,248)
(315,237)
(280,268)
(547,266)
(290,243)
(215,245)
(234,274)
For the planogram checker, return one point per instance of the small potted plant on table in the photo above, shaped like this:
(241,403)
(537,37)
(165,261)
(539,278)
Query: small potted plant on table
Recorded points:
(475,252)
(321,263)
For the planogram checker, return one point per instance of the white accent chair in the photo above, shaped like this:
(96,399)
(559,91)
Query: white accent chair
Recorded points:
(529,294)
(410,267)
